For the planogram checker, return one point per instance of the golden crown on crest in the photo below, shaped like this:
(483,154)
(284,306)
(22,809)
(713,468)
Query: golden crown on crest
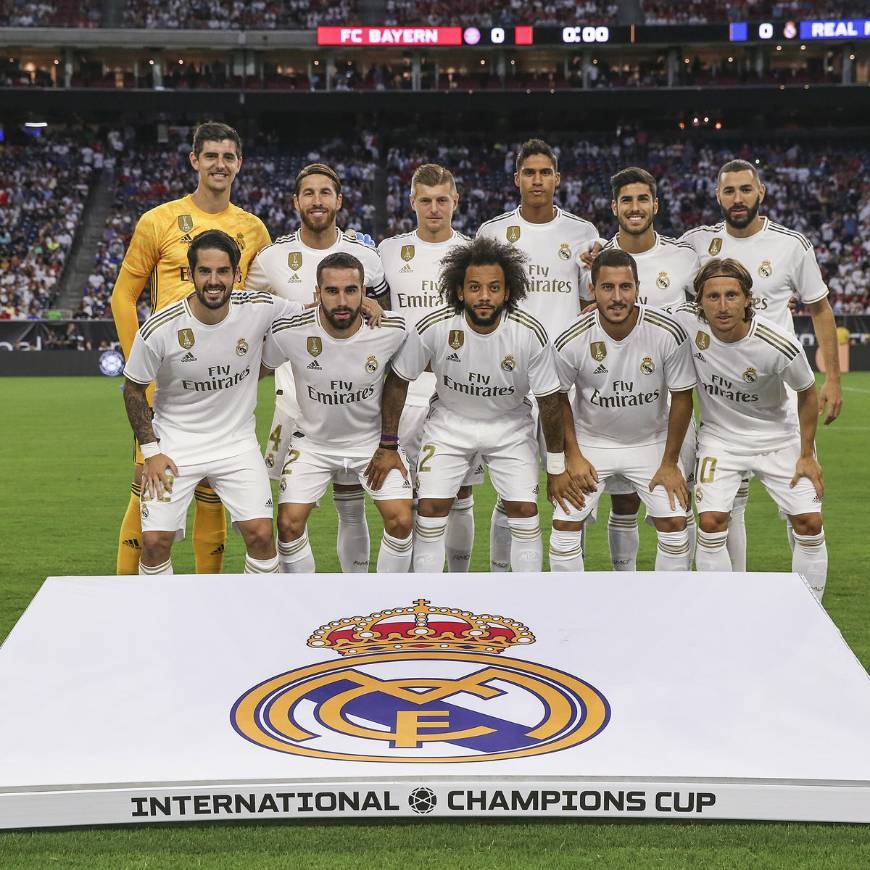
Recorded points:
(419,628)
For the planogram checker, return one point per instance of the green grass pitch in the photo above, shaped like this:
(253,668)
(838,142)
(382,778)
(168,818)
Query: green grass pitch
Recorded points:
(66,464)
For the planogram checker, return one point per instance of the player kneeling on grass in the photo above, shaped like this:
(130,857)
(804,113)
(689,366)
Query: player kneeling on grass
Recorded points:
(487,354)
(338,367)
(626,361)
(204,354)
(745,366)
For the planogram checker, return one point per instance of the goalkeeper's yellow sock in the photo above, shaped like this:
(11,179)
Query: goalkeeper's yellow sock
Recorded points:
(209,531)
(130,537)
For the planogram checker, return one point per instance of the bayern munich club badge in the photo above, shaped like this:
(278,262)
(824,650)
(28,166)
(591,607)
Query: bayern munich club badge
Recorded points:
(421,684)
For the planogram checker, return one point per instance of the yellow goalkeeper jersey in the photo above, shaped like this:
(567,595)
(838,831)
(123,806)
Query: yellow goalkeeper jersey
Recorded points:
(158,253)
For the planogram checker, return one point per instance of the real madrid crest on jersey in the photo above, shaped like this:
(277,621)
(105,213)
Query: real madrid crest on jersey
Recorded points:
(241,347)
(371,364)
(186,338)
(508,363)
(185,223)
(715,247)
(750,375)
(420,684)
(598,349)
(513,234)
(647,366)
(294,260)
(663,281)
(456,338)
(702,340)
(564,251)
(314,345)
(765,270)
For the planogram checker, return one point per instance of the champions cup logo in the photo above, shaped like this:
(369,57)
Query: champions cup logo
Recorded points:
(407,252)
(702,340)
(294,260)
(421,685)
(240,241)
(513,234)
(186,338)
(715,247)
(314,344)
(456,338)
(598,349)
(185,223)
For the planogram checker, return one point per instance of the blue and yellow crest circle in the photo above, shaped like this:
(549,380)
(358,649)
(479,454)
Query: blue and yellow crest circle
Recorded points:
(397,709)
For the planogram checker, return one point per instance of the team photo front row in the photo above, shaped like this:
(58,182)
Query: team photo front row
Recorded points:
(605,405)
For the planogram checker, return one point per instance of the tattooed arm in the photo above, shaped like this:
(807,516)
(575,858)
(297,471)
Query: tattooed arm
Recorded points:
(138,411)
(159,469)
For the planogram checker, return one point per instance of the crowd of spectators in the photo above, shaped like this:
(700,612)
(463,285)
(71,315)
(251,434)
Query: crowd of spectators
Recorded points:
(820,189)
(504,13)
(43,189)
(713,11)
(59,13)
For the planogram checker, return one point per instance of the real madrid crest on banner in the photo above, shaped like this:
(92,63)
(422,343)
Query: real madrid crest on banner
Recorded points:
(294,260)
(397,693)
(407,252)
(564,251)
(702,340)
(598,349)
(765,270)
(715,247)
(186,338)
(456,338)
(513,234)
(185,223)
(241,347)
(314,344)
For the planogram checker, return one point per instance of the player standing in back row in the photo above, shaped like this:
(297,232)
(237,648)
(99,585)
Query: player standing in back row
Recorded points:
(782,264)
(412,266)
(158,253)
(552,241)
(288,268)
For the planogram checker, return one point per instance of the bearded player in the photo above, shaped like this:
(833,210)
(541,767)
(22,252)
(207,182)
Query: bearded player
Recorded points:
(158,253)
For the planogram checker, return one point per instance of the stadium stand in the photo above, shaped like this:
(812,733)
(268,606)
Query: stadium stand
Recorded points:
(61,13)
(711,11)
(488,13)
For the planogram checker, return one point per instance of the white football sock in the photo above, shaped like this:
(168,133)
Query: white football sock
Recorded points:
(499,539)
(460,535)
(789,531)
(692,529)
(737,528)
(395,554)
(566,550)
(165,568)
(624,540)
(810,558)
(296,557)
(527,546)
(672,552)
(429,544)
(353,545)
(261,566)
(712,552)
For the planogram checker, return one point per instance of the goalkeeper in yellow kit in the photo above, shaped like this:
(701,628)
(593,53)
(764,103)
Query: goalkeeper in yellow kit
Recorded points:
(158,253)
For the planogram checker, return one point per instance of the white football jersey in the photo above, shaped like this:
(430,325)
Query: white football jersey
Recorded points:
(339,381)
(665,272)
(288,268)
(623,387)
(206,376)
(411,269)
(554,270)
(742,384)
(782,264)
(481,376)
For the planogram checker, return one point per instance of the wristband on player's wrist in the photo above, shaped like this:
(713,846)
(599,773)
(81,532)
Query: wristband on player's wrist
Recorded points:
(389,445)
(151,449)
(555,463)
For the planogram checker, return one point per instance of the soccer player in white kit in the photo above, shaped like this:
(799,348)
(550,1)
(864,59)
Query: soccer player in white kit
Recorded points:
(745,364)
(204,355)
(412,264)
(782,264)
(288,268)
(487,354)
(553,241)
(665,270)
(625,362)
(338,368)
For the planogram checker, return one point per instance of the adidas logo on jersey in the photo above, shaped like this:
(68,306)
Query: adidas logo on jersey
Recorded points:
(406,268)
(314,365)
(454,357)
(187,237)
(269,503)
(294,279)
(188,357)
(699,356)
(601,370)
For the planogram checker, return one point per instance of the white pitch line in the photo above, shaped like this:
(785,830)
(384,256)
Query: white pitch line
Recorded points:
(856,390)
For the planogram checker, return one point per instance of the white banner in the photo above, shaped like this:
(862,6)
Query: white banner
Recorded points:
(189,698)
